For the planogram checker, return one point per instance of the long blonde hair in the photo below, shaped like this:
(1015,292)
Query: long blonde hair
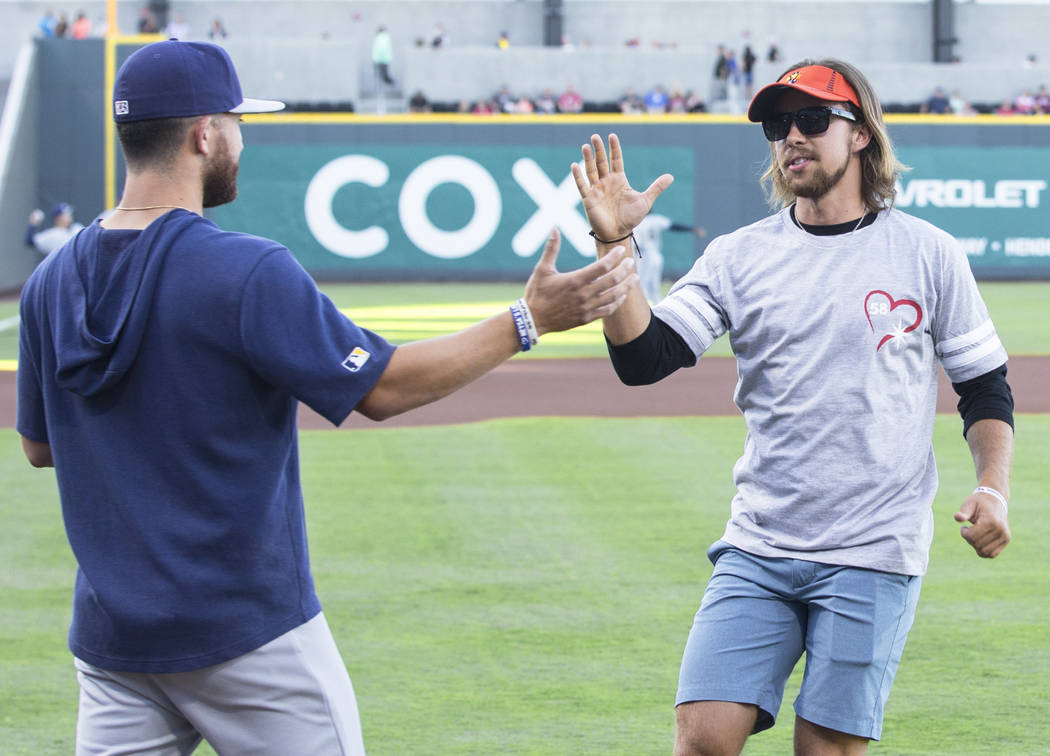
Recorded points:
(880,167)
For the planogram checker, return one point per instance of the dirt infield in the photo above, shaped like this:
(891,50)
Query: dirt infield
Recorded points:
(589,388)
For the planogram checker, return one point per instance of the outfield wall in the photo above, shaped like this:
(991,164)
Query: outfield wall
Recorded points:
(449,197)
(442,197)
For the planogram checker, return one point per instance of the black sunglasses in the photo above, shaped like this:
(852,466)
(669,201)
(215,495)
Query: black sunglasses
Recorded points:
(810,121)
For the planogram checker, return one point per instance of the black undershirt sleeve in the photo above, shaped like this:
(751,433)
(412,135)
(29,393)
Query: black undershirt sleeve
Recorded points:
(985,397)
(654,355)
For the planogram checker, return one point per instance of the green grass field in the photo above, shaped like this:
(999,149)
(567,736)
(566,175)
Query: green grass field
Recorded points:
(491,593)
(526,586)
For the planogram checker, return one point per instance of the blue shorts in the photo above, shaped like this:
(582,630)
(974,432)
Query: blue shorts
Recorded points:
(759,615)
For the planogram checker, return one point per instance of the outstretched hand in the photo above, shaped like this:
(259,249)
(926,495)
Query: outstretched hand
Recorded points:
(613,208)
(560,301)
(989,532)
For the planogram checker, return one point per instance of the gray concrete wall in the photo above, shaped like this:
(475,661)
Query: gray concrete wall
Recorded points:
(320,49)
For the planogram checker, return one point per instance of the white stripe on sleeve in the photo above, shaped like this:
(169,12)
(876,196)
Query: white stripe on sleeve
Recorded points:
(976,336)
(962,359)
(687,308)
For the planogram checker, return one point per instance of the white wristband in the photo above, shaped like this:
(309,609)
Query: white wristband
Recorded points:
(993,493)
(530,324)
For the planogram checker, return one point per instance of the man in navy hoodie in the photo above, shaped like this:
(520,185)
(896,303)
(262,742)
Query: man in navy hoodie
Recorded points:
(161,362)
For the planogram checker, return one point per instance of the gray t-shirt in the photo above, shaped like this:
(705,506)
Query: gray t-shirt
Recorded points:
(837,341)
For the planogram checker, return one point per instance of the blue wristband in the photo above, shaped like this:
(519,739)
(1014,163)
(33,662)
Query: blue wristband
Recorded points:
(523,330)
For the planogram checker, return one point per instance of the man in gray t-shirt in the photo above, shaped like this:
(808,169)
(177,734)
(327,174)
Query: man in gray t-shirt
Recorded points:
(840,310)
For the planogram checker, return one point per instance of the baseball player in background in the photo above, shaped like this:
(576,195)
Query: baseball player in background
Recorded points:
(650,251)
(161,363)
(839,309)
(62,228)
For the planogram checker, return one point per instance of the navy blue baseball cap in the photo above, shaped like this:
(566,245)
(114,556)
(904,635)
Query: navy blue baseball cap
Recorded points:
(61,207)
(174,79)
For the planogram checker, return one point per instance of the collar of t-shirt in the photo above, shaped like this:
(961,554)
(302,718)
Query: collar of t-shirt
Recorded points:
(835,228)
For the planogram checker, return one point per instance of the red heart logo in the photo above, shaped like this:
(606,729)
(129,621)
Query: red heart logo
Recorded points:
(884,308)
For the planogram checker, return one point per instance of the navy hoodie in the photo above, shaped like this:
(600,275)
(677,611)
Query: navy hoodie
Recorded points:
(164,368)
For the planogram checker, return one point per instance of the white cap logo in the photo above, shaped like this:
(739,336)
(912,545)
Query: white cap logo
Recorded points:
(120,107)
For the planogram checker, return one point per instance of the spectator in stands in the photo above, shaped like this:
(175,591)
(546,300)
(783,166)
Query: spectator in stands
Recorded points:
(45,27)
(382,55)
(1042,100)
(62,229)
(570,101)
(721,75)
(1025,103)
(504,41)
(523,106)
(504,99)
(217,30)
(1006,108)
(546,103)
(62,25)
(676,101)
(656,100)
(694,103)
(418,103)
(81,26)
(747,65)
(147,21)
(484,107)
(959,105)
(937,103)
(732,74)
(773,53)
(631,103)
(178,28)
(439,37)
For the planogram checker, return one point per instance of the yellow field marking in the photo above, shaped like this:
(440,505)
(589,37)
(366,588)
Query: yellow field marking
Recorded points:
(412,322)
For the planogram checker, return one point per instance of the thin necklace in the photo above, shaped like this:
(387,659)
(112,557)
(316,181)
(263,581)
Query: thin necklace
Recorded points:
(153,207)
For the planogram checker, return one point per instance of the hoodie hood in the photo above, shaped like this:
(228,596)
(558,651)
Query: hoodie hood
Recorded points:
(106,282)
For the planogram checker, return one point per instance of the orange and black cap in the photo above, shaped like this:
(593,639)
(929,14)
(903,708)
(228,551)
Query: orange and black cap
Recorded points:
(819,81)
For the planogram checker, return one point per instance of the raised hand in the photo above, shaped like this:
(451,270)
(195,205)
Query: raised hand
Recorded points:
(613,208)
(560,301)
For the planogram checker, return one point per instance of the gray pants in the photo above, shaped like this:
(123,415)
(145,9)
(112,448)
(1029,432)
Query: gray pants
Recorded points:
(291,696)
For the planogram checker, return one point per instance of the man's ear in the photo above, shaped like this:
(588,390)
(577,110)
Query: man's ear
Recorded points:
(201,136)
(861,137)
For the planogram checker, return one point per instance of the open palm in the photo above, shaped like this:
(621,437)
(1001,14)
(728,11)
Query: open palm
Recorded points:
(613,208)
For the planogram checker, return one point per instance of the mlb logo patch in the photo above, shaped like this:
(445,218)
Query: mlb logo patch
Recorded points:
(120,107)
(356,359)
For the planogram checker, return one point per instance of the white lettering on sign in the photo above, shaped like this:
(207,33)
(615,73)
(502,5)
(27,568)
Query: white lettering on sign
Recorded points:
(1008,193)
(1025,247)
(329,232)
(974,247)
(412,206)
(556,206)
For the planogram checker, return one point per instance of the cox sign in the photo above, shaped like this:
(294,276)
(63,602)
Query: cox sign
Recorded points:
(555,205)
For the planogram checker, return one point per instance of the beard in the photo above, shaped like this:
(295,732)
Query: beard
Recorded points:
(219,182)
(819,184)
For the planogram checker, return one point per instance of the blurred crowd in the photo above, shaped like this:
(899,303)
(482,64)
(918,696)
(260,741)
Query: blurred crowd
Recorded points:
(1024,103)
(731,83)
(153,18)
